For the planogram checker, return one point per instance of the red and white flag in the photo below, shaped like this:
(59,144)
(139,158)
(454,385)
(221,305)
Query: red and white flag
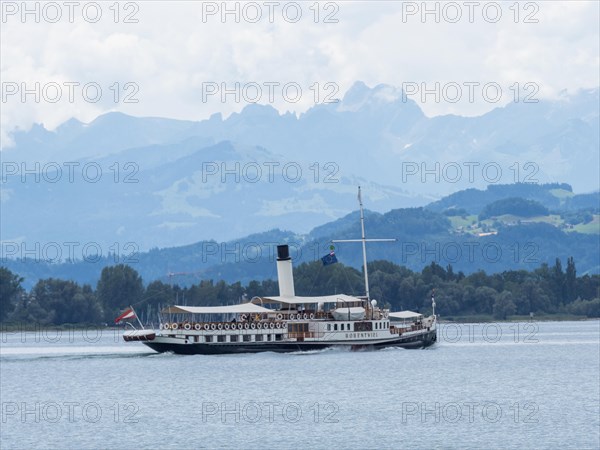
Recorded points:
(128,314)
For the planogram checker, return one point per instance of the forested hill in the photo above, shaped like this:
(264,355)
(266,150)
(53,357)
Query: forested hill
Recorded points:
(505,227)
(546,290)
(554,196)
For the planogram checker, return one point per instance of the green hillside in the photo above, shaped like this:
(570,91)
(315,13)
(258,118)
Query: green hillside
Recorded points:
(509,227)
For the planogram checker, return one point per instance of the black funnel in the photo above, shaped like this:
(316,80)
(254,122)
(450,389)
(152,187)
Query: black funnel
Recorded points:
(283,253)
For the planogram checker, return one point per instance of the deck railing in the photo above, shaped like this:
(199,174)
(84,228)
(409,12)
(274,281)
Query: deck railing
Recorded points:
(182,327)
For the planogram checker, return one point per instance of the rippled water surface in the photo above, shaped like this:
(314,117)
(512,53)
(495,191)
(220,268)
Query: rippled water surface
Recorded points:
(509,385)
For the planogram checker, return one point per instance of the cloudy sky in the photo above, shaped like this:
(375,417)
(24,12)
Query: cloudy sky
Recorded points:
(173,59)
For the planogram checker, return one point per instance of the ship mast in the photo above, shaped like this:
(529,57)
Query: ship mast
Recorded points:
(364,241)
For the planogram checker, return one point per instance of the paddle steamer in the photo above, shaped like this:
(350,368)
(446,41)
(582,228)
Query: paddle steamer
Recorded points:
(289,323)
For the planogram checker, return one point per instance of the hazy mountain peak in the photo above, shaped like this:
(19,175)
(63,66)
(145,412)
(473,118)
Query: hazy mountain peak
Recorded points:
(378,100)
(258,110)
(357,93)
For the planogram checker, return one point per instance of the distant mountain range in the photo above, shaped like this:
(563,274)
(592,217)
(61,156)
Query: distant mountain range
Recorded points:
(448,231)
(151,182)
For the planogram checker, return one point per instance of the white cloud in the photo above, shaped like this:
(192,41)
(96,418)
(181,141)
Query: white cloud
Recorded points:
(171,52)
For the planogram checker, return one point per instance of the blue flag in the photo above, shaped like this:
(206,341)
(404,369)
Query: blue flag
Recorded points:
(329,259)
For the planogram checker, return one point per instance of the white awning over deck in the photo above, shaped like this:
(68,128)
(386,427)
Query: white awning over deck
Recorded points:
(244,308)
(405,315)
(341,298)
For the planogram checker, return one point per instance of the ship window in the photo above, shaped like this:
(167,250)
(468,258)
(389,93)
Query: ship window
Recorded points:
(258,337)
(278,337)
(208,338)
(221,338)
(335,327)
(363,326)
(328,327)
(349,327)
(233,338)
(247,338)
(268,337)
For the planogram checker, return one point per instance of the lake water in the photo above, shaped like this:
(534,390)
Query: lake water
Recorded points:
(509,385)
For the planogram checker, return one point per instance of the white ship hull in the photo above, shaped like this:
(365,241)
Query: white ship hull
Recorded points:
(282,340)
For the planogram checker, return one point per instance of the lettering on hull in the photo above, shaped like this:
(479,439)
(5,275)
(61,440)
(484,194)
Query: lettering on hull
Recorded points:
(362,335)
